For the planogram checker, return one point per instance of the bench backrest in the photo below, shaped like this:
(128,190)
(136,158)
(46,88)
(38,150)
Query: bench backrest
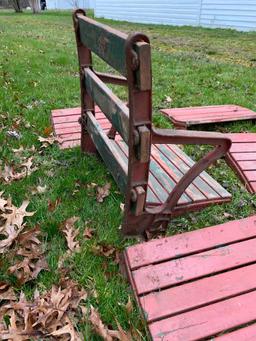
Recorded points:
(131,57)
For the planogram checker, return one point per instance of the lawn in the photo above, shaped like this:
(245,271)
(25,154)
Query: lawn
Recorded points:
(38,73)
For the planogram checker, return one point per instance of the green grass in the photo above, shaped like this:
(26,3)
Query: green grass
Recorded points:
(38,72)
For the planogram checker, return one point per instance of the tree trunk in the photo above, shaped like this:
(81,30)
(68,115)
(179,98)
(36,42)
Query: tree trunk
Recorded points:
(16,5)
(35,5)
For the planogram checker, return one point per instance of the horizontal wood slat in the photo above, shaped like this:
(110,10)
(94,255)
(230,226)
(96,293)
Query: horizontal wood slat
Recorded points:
(247,333)
(109,44)
(186,293)
(114,109)
(188,243)
(242,158)
(169,273)
(207,321)
(106,42)
(108,152)
(185,117)
(164,303)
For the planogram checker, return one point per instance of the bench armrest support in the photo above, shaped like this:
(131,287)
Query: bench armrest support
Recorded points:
(168,136)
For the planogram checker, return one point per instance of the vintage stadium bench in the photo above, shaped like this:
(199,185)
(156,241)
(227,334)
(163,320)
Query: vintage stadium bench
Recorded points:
(182,118)
(159,180)
(198,285)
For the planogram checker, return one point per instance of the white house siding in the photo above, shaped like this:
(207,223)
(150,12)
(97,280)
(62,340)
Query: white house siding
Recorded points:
(69,4)
(180,12)
(237,14)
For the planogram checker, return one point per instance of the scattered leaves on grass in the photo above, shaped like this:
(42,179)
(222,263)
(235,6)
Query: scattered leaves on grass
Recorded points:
(103,331)
(107,251)
(38,190)
(71,233)
(9,174)
(88,233)
(48,315)
(52,205)
(47,141)
(103,192)
(6,292)
(14,134)
(11,222)
(34,260)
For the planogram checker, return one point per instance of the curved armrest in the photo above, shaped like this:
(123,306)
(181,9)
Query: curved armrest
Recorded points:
(163,136)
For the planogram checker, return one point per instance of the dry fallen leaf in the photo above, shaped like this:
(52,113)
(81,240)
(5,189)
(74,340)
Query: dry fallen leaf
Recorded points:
(71,233)
(88,233)
(11,223)
(8,174)
(53,204)
(47,141)
(103,192)
(6,292)
(52,314)
(103,331)
(106,250)
(39,190)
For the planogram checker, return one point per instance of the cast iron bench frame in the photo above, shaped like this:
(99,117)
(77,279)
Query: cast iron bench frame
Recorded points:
(131,57)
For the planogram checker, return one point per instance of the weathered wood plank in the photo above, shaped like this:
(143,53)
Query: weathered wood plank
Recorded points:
(191,242)
(108,152)
(164,303)
(245,147)
(114,109)
(204,175)
(159,180)
(247,165)
(109,44)
(243,156)
(106,42)
(177,271)
(208,114)
(242,334)
(207,321)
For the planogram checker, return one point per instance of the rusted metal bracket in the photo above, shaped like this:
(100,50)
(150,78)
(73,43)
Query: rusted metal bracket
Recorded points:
(138,197)
(143,144)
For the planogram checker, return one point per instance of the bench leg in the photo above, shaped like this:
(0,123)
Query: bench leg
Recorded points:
(87,145)
(137,225)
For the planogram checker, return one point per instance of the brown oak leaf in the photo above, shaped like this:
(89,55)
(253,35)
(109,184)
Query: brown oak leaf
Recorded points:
(103,192)
(71,233)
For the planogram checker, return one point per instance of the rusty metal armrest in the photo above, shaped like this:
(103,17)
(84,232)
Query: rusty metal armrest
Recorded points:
(164,136)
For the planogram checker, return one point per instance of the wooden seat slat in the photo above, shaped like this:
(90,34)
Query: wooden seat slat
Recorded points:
(248,165)
(202,186)
(160,181)
(207,321)
(177,271)
(243,156)
(192,294)
(185,117)
(242,334)
(173,170)
(184,244)
(164,303)
(204,175)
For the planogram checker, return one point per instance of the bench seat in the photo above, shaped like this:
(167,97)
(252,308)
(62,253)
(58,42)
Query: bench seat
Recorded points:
(167,166)
(199,284)
(182,118)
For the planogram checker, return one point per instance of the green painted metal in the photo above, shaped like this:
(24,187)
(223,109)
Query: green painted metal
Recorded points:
(106,42)
(114,109)
(108,152)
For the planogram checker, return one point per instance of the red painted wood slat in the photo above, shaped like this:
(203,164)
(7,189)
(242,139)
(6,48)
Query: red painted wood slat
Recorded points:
(243,334)
(164,303)
(187,243)
(177,271)
(208,114)
(207,321)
